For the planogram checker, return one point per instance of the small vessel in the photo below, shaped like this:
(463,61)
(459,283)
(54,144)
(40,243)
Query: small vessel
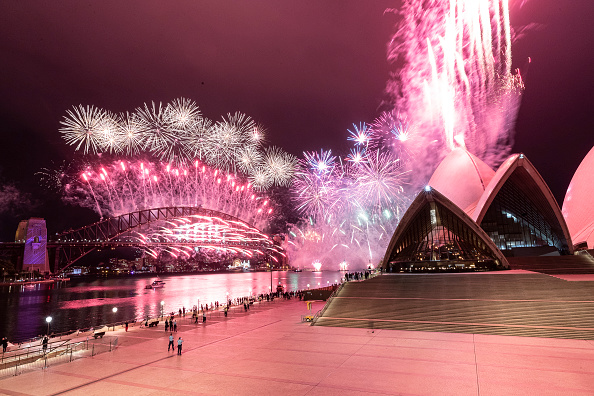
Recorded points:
(157,283)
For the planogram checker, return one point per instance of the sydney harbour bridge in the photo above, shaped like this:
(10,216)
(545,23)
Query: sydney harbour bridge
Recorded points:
(181,232)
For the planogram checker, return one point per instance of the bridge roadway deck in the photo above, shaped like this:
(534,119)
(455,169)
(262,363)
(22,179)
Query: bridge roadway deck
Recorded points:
(269,351)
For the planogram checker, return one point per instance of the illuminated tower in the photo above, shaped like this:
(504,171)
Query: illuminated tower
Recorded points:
(33,233)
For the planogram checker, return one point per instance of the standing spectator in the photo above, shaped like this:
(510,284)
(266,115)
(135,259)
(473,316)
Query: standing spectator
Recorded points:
(166,325)
(170,343)
(179,345)
(126,326)
(44,343)
(175,326)
(203,317)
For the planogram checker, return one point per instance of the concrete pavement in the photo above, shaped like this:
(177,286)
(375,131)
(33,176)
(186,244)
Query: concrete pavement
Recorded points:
(269,351)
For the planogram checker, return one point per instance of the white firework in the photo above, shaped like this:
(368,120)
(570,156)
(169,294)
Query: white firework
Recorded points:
(226,139)
(257,135)
(109,133)
(248,159)
(131,134)
(183,114)
(81,128)
(159,137)
(178,134)
(259,179)
(197,139)
(280,166)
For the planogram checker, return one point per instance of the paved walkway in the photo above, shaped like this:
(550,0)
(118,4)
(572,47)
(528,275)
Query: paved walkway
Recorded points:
(269,351)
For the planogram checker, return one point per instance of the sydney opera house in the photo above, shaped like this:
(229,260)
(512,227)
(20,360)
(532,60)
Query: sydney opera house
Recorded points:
(470,217)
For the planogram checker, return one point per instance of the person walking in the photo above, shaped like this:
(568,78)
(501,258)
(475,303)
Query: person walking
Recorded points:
(170,346)
(179,345)
(203,317)
(126,326)
(166,325)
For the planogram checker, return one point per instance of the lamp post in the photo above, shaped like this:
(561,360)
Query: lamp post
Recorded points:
(48,320)
(162,307)
(114,310)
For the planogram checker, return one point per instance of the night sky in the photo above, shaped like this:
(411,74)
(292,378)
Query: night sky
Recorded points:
(306,70)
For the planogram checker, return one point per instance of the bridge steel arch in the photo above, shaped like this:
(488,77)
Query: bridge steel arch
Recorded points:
(72,245)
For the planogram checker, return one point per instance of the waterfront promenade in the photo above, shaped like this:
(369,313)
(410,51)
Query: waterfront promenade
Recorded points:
(269,351)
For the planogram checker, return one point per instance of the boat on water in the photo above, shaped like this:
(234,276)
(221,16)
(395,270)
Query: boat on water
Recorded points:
(157,283)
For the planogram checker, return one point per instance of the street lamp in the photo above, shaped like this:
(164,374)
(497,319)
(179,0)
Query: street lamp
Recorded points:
(162,307)
(48,320)
(114,310)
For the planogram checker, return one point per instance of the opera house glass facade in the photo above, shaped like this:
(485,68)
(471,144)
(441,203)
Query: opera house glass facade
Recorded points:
(471,217)
(439,236)
(517,218)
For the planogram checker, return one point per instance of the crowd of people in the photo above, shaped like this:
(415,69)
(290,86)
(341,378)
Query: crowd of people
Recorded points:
(361,275)
(199,313)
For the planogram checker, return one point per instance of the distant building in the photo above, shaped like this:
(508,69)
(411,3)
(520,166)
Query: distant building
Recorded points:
(33,233)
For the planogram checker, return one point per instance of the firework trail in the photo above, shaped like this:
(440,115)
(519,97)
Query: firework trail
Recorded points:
(456,89)
(192,235)
(456,86)
(122,186)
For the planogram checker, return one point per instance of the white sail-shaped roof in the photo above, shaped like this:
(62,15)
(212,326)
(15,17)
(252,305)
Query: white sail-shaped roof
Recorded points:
(462,178)
(578,205)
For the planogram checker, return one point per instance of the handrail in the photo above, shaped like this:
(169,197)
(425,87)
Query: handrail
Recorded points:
(321,311)
(36,357)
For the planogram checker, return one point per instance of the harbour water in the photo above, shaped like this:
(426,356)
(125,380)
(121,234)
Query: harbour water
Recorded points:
(85,303)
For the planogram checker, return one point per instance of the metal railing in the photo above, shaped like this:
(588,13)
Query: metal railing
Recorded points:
(33,357)
(321,311)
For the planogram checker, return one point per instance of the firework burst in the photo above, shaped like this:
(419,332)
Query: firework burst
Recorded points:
(279,166)
(82,128)
(178,133)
